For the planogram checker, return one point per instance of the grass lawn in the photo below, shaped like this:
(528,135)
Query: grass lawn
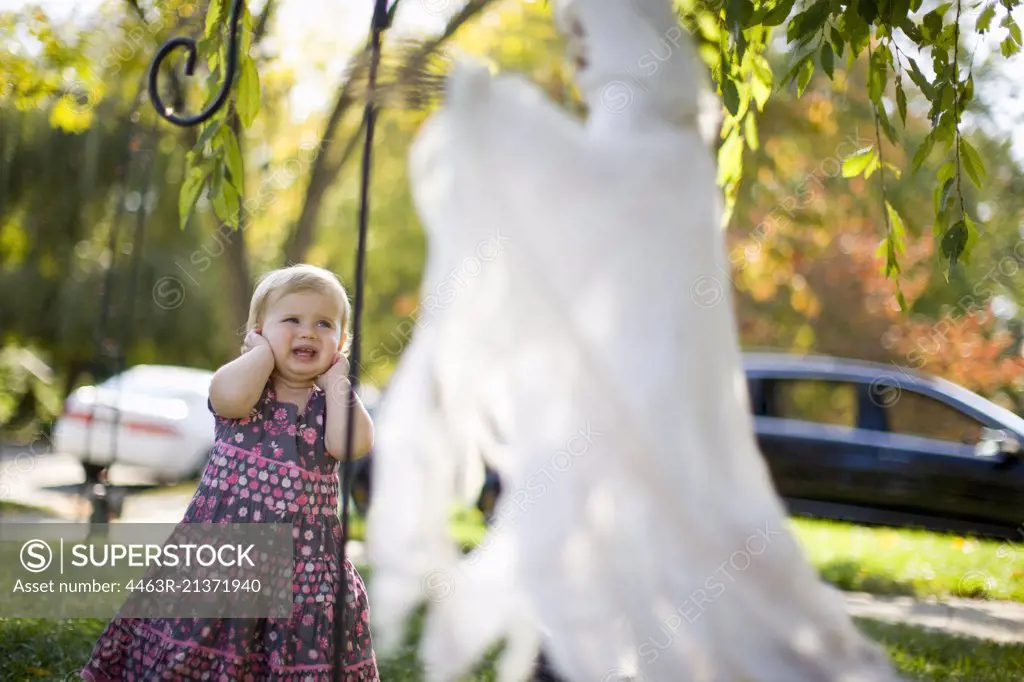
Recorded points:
(19,510)
(854,557)
(48,650)
(9,507)
(884,561)
(912,562)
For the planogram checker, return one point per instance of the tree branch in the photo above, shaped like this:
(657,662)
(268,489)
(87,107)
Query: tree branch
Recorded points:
(323,173)
(260,30)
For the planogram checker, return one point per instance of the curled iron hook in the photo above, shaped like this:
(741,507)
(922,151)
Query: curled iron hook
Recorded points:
(190,65)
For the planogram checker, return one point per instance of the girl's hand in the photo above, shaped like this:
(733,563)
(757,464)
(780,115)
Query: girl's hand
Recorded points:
(335,380)
(253,340)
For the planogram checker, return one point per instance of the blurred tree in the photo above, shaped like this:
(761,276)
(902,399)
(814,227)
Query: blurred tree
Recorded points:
(805,238)
(810,272)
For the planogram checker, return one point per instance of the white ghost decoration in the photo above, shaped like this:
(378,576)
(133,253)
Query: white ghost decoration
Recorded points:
(576,329)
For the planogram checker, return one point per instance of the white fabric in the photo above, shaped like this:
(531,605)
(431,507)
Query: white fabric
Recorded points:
(567,333)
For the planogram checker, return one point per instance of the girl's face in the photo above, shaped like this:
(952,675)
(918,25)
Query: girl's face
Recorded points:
(304,332)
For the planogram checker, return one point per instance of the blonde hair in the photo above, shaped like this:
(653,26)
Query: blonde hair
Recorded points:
(293,279)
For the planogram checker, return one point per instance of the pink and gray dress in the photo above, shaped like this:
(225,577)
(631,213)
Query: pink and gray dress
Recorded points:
(268,467)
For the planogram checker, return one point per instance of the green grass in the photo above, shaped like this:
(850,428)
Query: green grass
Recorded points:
(856,558)
(41,649)
(912,562)
(924,655)
(467,527)
(9,507)
(47,650)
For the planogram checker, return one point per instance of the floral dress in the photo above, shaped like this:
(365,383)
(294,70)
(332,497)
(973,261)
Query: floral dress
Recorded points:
(270,467)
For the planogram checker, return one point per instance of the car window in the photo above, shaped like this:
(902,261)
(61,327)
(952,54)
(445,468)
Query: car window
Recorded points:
(160,382)
(914,414)
(755,393)
(824,402)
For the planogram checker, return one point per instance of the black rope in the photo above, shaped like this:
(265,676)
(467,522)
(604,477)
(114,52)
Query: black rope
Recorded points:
(381,20)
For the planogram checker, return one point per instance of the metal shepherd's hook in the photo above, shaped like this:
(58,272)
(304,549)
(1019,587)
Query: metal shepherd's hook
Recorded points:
(382,17)
(190,67)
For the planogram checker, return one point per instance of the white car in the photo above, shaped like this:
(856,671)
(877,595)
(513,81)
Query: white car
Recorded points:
(163,424)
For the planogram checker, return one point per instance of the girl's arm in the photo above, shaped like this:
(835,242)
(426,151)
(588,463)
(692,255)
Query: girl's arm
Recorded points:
(334,429)
(238,385)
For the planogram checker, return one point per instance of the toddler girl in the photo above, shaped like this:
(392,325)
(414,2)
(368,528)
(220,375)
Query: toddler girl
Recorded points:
(280,411)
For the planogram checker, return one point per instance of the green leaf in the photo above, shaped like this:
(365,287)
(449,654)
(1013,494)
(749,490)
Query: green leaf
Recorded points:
(896,227)
(945,129)
(887,249)
(953,242)
(985,18)
(247,29)
(895,239)
(247,103)
(946,171)
(872,166)
(972,239)
(762,69)
(944,200)
(225,204)
(886,125)
(856,32)
(730,158)
(856,163)
(837,41)
(931,25)
(878,73)
(739,40)
(779,13)
(868,10)
(760,92)
(791,74)
(731,96)
(972,162)
(214,16)
(210,130)
(804,77)
(919,79)
(190,190)
(899,299)
(233,159)
(922,152)
(826,58)
(738,12)
(750,130)
(809,21)
(1008,48)
(901,101)
(896,172)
